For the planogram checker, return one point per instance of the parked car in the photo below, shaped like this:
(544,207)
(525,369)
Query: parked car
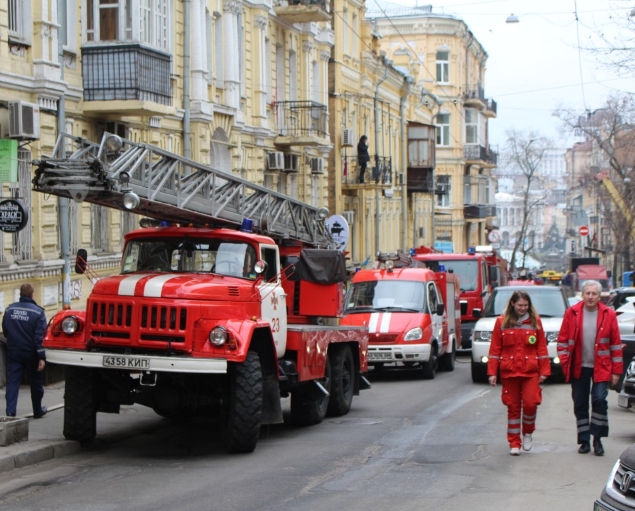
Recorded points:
(573,300)
(619,492)
(549,301)
(626,399)
(619,296)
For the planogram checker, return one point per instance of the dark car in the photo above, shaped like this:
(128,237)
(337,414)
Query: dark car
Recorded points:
(619,492)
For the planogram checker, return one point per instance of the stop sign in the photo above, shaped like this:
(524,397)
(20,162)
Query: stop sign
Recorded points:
(583,230)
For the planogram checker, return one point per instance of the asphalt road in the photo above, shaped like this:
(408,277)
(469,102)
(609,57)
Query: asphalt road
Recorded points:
(408,444)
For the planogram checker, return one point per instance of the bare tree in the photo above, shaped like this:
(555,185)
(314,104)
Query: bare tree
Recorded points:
(522,154)
(611,129)
(615,48)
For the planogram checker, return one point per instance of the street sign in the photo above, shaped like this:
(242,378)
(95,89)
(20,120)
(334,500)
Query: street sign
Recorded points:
(583,230)
(493,236)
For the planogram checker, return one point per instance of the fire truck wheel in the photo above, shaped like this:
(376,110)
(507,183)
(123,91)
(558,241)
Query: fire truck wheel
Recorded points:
(343,370)
(446,362)
(242,414)
(429,368)
(479,372)
(80,404)
(305,412)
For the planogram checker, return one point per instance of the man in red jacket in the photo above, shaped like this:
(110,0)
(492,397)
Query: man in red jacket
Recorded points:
(590,351)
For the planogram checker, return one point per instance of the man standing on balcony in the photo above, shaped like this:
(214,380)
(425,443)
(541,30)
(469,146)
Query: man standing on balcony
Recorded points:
(362,157)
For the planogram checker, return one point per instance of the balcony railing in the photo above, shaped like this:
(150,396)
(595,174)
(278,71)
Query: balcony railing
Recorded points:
(378,170)
(126,72)
(491,105)
(480,153)
(302,119)
(304,11)
(475,91)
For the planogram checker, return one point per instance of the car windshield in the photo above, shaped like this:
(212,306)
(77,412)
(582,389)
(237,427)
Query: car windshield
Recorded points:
(386,295)
(549,302)
(224,257)
(466,270)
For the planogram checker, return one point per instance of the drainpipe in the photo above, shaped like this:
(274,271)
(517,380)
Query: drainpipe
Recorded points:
(387,63)
(404,159)
(187,150)
(63,202)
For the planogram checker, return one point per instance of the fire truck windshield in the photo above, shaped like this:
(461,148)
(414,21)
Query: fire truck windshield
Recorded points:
(236,259)
(466,270)
(389,295)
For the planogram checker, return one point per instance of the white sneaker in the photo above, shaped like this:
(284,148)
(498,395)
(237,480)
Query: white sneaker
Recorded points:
(515,451)
(527,442)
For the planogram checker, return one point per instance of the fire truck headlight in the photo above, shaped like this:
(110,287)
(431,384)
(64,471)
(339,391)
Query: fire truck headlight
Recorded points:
(323,213)
(131,200)
(218,336)
(260,267)
(114,143)
(413,335)
(482,336)
(70,325)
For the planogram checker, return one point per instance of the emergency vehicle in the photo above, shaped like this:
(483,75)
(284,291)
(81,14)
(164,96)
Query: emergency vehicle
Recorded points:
(221,306)
(479,271)
(412,314)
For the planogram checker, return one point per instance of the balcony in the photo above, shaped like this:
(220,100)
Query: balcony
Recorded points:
(475,98)
(420,180)
(302,123)
(138,78)
(480,154)
(490,108)
(478,211)
(379,173)
(303,11)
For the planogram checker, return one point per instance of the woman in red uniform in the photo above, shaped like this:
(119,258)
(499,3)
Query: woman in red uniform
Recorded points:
(519,351)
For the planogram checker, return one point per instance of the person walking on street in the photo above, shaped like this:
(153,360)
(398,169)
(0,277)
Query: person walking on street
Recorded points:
(24,324)
(590,351)
(519,351)
(362,157)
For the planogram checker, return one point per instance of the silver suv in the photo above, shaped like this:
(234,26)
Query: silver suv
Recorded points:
(549,301)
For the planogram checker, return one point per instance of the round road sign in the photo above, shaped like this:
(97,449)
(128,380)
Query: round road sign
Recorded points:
(583,230)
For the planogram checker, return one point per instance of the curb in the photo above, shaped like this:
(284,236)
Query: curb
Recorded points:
(38,451)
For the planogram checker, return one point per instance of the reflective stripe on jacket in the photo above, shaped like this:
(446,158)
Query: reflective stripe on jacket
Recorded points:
(518,351)
(608,344)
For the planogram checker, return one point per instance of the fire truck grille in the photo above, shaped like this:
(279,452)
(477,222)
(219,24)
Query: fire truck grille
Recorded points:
(382,338)
(158,323)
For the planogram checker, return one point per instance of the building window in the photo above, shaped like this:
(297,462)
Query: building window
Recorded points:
(443,189)
(23,240)
(420,146)
(443,67)
(443,129)
(471,126)
(144,21)
(20,21)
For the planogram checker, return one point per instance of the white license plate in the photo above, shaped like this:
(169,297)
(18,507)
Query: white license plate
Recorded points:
(126,362)
(598,506)
(622,401)
(379,355)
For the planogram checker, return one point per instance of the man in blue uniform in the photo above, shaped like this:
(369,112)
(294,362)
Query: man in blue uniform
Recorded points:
(23,325)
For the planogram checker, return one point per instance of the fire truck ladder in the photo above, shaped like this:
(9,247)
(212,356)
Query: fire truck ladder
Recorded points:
(617,199)
(152,182)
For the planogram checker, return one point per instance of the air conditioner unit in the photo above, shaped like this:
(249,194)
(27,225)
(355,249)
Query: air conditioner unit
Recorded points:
(275,160)
(349,216)
(291,162)
(348,138)
(24,120)
(317,165)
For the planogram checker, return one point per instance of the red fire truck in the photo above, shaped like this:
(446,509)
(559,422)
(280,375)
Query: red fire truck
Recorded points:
(479,271)
(213,313)
(412,314)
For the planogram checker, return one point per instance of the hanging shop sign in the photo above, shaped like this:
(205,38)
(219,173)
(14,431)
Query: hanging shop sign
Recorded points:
(13,216)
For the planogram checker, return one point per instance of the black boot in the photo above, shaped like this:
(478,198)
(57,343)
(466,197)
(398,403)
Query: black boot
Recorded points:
(598,450)
(584,448)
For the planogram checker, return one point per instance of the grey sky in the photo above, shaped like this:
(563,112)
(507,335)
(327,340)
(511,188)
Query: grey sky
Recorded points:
(534,66)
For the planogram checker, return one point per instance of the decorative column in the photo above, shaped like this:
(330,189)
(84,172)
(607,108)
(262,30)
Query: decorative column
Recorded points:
(260,26)
(231,8)
(199,51)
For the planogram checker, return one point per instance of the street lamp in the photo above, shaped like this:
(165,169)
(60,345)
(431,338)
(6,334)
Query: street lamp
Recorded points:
(512,18)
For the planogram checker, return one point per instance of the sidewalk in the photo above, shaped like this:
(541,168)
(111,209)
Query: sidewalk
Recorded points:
(46,440)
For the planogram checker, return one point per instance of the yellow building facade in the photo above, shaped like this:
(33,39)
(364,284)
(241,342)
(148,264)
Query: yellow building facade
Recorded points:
(446,59)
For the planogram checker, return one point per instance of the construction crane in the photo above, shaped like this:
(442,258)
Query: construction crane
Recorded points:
(155,183)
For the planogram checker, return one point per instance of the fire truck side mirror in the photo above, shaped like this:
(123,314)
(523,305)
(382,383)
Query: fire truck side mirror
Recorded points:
(440,309)
(463,305)
(81,261)
(477,313)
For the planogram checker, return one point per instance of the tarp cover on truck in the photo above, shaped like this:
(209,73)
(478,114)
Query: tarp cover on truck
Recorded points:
(321,266)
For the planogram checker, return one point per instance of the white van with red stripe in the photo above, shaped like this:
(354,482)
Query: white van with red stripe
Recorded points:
(412,314)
